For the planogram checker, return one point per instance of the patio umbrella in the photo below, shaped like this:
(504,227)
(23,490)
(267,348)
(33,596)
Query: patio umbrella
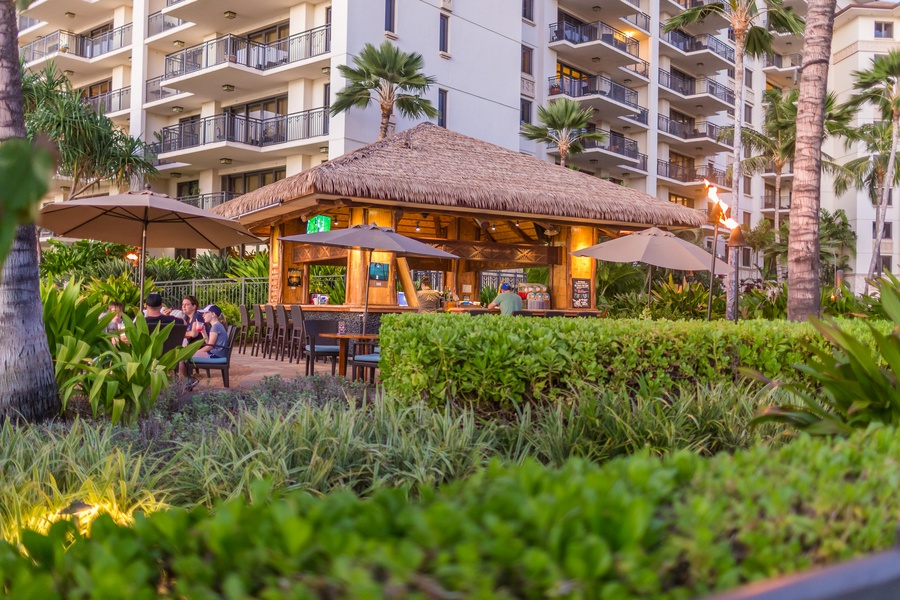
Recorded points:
(146,219)
(656,248)
(371,238)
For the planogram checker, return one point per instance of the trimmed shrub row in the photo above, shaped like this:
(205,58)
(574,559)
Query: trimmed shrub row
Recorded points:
(505,360)
(633,528)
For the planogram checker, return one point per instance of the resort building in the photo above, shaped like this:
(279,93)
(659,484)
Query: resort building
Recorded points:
(235,96)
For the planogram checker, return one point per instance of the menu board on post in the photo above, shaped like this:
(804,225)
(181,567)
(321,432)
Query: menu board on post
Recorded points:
(581,293)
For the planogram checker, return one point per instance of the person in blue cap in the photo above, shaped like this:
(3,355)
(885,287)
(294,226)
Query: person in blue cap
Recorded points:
(216,345)
(507,300)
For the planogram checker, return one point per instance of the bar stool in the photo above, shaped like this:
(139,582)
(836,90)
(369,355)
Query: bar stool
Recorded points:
(259,335)
(298,331)
(283,333)
(271,331)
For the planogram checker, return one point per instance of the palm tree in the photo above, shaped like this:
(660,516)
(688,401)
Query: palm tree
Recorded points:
(393,76)
(753,38)
(27,381)
(880,85)
(565,124)
(803,247)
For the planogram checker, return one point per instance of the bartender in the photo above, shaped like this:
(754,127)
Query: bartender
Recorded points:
(507,300)
(429,299)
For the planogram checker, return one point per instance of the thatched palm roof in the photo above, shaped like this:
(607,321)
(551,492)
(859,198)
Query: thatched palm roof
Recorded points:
(432,166)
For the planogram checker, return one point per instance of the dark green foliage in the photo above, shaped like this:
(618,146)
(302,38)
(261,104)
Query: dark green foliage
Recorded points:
(444,357)
(121,288)
(253,265)
(631,529)
(328,280)
(164,268)
(487,294)
(78,258)
(24,179)
(211,266)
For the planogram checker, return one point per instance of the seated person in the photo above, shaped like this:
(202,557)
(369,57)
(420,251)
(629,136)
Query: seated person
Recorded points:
(217,340)
(118,309)
(507,300)
(429,299)
(153,311)
(194,320)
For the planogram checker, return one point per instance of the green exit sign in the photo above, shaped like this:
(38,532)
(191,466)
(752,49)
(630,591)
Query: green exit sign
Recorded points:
(317,224)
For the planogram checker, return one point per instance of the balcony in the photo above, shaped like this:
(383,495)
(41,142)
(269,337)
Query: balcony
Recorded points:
(787,171)
(612,9)
(713,22)
(702,137)
(691,95)
(784,43)
(30,29)
(597,42)
(208,201)
(85,14)
(163,30)
(702,50)
(613,100)
(164,100)
(639,20)
(87,56)
(215,16)
(769,201)
(611,153)
(237,62)
(112,104)
(782,70)
(206,142)
(691,177)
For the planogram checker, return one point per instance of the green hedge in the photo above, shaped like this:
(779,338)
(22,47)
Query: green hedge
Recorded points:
(497,359)
(633,528)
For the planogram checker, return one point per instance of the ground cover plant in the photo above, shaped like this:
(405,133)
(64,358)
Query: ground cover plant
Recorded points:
(323,434)
(638,527)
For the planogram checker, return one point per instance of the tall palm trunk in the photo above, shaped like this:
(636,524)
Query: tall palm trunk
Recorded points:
(884,193)
(732,283)
(803,244)
(27,382)
(778,168)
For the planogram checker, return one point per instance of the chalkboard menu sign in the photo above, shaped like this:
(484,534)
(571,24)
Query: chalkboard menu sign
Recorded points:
(581,293)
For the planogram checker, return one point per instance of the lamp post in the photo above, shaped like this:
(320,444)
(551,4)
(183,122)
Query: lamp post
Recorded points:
(715,215)
(736,241)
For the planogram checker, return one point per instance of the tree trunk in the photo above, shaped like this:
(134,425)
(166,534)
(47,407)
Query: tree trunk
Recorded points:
(27,381)
(778,167)
(385,122)
(803,243)
(885,191)
(731,282)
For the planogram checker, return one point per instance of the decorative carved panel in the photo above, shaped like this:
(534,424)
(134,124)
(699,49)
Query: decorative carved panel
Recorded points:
(527,87)
(522,255)
(303,253)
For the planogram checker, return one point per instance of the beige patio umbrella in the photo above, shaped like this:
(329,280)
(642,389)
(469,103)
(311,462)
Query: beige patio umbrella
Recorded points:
(143,219)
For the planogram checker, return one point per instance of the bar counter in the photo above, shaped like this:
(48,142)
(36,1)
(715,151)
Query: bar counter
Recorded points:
(570,312)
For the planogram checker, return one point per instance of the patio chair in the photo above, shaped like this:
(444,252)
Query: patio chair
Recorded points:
(283,332)
(364,357)
(259,334)
(247,323)
(175,339)
(318,347)
(271,331)
(217,364)
(297,333)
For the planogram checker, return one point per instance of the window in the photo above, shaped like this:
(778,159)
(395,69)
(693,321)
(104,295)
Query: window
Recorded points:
(563,70)
(886,264)
(188,188)
(442,108)
(525,111)
(745,257)
(748,113)
(682,200)
(98,89)
(390,15)
(888,231)
(262,109)
(271,34)
(884,30)
(748,79)
(241,183)
(528,9)
(730,71)
(527,57)
(444,37)
(746,219)
(747,182)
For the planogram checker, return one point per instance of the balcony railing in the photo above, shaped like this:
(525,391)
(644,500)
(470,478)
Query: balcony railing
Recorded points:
(241,51)
(642,116)
(79,45)
(642,68)
(790,61)
(692,87)
(769,201)
(787,169)
(691,131)
(28,22)
(617,144)
(593,86)
(594,32)
(171,2)
(158,22)
(640,20)
(687,174)
(696,3)
(208,201)
(688,43)
(642,163)
(244,130)
(112,101)
(157,91)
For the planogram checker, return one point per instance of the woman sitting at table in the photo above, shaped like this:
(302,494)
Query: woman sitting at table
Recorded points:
(217,339)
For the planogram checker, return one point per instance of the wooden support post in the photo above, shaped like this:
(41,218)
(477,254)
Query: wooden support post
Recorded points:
(406,282)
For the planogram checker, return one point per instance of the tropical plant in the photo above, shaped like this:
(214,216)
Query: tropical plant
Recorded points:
(564,124)
(27,382)
(77,257)
(67,313)
(111,267)
(122,289)
(803,256)
(211,266)
(752,36)
(254,265)
(858,386)
(164,268)
(487,294)
(880,85)
(328,280)
(390,77)
(619,278)
(538,275)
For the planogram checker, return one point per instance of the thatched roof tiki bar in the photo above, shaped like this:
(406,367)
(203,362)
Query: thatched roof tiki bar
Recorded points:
(492,207)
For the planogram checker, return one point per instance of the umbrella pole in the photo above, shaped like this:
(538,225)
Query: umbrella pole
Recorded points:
(366,308)
(712,272)
(143,253)
(649,284)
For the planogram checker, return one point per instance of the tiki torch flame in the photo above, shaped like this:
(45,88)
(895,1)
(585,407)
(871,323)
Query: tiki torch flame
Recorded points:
(713,194)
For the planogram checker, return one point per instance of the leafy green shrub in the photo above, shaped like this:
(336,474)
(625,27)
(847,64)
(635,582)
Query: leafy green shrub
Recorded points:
(506,360)
(631,529)
(211,266)
(117,268)
(68,313)
(254,265)
(231,312)
(123,289)
(328,280)
(64,259)
(164,268)
(487,294)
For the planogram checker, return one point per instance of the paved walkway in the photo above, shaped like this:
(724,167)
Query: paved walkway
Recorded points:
(248,371)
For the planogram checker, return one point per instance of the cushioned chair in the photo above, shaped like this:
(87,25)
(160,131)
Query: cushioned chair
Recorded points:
(364,358)
(319,347)
(175,339)
(217,364)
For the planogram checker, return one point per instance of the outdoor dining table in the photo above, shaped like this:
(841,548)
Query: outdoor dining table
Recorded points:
(343,344)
